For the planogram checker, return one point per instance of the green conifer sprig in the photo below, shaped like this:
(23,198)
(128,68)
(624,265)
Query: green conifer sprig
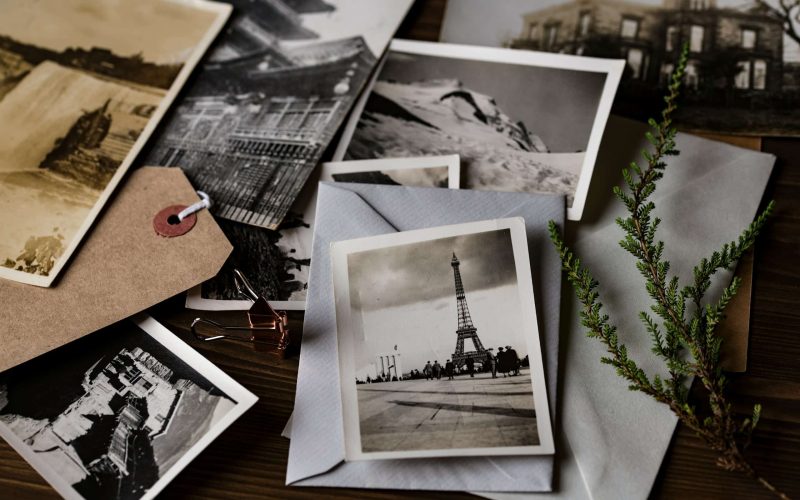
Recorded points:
(681,325)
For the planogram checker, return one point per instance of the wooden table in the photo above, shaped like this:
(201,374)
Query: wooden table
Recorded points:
(249,459)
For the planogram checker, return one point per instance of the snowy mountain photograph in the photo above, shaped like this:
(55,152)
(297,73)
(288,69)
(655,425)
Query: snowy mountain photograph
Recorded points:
(517,127)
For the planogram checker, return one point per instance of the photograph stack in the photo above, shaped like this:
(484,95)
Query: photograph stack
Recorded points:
(499,248)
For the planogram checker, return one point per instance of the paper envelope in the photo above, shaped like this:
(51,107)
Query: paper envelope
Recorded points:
(122,268)
(708,195)
(346,211)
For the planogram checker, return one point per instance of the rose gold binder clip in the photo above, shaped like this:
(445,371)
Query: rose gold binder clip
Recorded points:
(268,329)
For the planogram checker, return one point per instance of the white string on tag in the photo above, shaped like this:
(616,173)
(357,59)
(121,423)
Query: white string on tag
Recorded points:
(205,202)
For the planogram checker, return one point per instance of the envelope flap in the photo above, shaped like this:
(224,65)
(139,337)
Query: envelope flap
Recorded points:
(122,268)
(317,426)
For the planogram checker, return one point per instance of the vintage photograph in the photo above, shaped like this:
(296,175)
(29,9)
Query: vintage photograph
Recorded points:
(119,413)
(270,97)
(743,74)
(277,262)
(520,121)
(439,352)
(82,85)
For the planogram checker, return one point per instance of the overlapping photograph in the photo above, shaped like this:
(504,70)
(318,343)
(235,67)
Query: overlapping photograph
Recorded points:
(269,99)
(520,121)
(439,351)
(277,263)
(117,414)
(82,85)
(743,72)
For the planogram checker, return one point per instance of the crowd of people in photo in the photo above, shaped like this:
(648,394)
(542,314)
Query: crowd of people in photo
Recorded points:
(506,362)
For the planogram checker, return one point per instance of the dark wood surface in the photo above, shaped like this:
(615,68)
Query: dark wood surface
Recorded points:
(249,459)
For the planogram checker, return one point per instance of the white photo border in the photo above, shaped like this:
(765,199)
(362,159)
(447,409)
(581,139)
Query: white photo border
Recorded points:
(222,11)
(243,398)
(613,69)
(325,172)
(341,291)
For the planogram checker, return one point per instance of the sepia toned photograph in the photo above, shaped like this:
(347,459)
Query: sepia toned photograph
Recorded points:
(743,73)
(277,263)
(117,414)
(520,121)
(82,85)
(269,99)
(439,352)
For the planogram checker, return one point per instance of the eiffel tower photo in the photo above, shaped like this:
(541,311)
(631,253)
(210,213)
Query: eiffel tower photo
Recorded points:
(465,330)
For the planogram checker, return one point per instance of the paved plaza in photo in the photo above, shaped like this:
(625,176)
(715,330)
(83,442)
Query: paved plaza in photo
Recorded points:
(448,414)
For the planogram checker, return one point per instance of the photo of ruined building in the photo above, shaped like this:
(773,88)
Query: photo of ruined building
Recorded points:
(741,61)
(110,416)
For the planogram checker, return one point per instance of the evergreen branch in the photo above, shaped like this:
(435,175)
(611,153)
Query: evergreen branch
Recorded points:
(726,257)
(671,331)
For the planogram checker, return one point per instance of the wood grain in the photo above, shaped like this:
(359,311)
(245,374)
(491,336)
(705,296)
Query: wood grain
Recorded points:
(249,460)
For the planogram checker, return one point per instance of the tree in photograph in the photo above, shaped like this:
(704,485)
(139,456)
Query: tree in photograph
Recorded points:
(683,320)
(788,12)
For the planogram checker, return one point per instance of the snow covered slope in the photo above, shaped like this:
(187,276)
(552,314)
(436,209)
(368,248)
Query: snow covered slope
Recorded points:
(443,117)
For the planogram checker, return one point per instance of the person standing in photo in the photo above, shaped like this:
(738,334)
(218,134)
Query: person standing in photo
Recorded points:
(449,367)
(437,370)
(428,371)
(491,359)
(513,360)
(502,361)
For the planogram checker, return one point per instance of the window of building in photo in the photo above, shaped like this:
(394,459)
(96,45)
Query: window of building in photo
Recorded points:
(533,32)
(552,36)
(672,37)
(749,37)
(635,62)
(696,38)
(584,22)
(629,28)
(698,4)
(691,75)
(742,80)
(759,74)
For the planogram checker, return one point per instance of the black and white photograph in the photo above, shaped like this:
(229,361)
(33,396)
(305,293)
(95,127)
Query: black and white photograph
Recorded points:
(521,121)
(277,263)
(439,351)
(119,413)
(743,73)
(83,83)
(270,97)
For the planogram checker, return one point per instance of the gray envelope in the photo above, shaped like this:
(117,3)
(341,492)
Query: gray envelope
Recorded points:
(708,195)
(346,211)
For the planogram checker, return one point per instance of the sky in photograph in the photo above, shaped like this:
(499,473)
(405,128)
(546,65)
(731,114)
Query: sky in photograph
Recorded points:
(374,20)
(404,296)
(558,105)
(163,31)
(493,22)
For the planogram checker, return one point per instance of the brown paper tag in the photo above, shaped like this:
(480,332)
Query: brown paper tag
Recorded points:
(123,267)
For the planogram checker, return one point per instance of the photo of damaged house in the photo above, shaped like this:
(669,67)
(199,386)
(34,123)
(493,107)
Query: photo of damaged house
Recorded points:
(743,70)
(263,109)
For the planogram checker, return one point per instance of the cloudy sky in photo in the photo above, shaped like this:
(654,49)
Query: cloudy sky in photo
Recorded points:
(404,296)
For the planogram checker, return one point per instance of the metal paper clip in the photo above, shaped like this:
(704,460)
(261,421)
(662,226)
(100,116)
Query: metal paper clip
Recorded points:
(267,331)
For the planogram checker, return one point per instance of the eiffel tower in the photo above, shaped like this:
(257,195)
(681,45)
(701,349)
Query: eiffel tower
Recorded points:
(466,330)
